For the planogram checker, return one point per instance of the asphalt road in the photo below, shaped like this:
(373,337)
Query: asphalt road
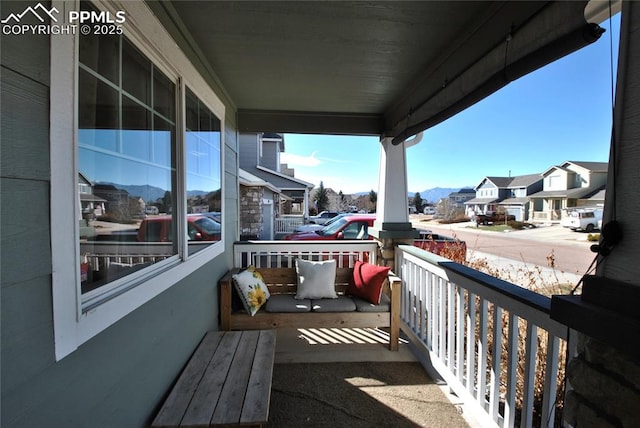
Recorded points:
(570,250)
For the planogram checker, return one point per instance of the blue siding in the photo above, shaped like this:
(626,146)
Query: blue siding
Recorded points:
(120,377)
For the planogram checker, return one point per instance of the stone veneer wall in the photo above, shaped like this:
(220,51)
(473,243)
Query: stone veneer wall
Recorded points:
(604,387)
(386,250)
(251,212)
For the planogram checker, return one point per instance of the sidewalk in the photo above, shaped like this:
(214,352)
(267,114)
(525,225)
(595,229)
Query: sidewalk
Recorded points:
(527,275)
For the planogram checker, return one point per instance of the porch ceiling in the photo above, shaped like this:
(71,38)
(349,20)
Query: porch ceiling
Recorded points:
(367,67)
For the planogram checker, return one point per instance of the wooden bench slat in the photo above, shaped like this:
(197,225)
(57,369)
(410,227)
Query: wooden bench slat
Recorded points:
(226,382)
(200,410)
(231,399)
(178,400)
(256,407)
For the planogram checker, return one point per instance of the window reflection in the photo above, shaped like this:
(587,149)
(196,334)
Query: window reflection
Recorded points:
(127,148)
(126,161)
(204,174)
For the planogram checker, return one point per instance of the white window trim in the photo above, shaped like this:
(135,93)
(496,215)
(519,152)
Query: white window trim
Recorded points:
(72,327)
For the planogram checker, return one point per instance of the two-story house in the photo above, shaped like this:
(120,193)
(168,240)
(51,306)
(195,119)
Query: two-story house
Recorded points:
(519,190)
(461,196)
(266,189)
(489,192)
(570,184)
(509,193)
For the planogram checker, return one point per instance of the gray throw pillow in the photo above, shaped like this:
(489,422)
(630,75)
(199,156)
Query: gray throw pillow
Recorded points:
(316,280)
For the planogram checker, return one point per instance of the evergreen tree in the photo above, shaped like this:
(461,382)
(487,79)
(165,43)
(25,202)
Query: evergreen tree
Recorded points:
(322,198)
(373,198)
(417,202)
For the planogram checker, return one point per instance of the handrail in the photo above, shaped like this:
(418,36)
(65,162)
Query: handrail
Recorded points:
(482,336)
(282,253)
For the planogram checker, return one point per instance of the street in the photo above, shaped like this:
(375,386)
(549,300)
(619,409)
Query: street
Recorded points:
(571,252)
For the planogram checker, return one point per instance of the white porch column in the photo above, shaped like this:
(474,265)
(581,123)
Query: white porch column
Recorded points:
(392,213)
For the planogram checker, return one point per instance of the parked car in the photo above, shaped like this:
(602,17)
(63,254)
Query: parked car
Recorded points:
(323,217)
(352,226)
(445,246)
(159,229)
(314,226)
(429,210)
(582,219)
(493,217)
(151,210)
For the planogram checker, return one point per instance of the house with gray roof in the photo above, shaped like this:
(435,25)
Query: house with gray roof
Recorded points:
(268,189)
(508,193)
(571,184)
(518,201)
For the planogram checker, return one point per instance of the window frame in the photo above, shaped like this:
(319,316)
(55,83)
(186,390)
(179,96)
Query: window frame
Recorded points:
(74,325)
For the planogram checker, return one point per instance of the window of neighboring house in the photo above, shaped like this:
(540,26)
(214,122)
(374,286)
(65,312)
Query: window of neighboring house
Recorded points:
(149,141)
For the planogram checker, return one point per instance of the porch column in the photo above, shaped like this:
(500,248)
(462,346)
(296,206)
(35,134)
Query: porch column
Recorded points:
(392,226)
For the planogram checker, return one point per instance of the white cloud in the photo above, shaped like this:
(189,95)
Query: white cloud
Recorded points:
(294,160)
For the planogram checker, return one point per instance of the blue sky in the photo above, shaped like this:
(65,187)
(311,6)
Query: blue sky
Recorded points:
(558,113)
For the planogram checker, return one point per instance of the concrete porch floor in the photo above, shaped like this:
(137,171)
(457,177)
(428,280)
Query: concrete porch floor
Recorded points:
(348,377)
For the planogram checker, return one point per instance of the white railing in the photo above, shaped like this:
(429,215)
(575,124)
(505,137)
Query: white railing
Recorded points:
(282,253)
(100,255)
(491,341)
(288,224)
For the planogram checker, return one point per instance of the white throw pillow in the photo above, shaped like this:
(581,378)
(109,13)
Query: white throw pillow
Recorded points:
(316,280)
(252,290)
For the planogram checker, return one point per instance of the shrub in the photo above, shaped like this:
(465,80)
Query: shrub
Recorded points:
(519,225)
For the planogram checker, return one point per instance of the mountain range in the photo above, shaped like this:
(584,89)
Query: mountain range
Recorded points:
(149,193)
(431,195)
(437,193)
(152,193)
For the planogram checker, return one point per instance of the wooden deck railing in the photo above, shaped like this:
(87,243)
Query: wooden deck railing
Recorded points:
(492,341)
(282,253)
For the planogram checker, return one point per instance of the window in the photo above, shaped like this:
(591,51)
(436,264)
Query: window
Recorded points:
(136,193)
(204,189)
(126,149)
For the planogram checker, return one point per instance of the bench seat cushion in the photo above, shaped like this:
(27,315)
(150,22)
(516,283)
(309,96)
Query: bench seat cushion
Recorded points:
(363,305)
(287,303)
(341,304)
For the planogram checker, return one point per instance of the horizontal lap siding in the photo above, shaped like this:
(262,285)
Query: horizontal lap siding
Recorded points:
(121,376)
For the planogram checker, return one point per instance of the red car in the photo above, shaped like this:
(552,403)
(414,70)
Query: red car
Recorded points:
(159,229)
(354,226)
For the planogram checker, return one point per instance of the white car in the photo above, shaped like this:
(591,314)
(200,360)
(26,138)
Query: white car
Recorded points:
(323,217)
(582,219)
(429,210)
(314,226)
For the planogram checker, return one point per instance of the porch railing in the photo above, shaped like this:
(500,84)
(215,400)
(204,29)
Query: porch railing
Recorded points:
(287,224)
(492,342)
(282,253)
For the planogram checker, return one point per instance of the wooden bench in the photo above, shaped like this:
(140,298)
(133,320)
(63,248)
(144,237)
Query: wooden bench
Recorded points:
(226,382)
(284,281)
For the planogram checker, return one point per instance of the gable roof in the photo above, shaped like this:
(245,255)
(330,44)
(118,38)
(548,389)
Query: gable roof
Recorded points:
(245,178)
(591,166)
(279,180)
(525,180)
